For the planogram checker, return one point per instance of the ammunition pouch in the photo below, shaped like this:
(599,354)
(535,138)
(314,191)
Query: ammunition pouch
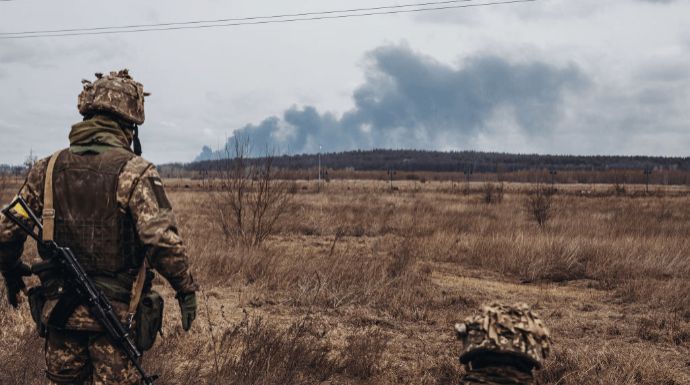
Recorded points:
(148,320)
(37,300)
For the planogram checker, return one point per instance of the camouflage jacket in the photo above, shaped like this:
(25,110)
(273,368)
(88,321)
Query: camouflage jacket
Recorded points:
(155,223)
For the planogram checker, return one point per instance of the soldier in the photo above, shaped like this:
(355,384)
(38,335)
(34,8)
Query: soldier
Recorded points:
(503,345)
(107,204)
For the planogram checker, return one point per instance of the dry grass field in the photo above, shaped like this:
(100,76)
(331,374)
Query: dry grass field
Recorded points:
(362,285)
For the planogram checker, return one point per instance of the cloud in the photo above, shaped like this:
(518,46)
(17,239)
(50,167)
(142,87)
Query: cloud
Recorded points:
(12,52)
(16,53)
(39,54)
(410,100)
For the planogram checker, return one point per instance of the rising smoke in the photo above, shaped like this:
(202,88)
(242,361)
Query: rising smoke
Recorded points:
(412,101)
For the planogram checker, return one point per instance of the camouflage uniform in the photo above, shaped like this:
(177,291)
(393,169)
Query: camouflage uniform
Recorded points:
(79,352)
(73,357)
(503,345)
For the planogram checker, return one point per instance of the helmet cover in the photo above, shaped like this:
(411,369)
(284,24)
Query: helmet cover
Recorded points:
(511,330)
(116,93)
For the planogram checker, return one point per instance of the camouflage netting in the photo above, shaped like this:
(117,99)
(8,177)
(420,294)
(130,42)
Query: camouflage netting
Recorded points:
(510,330)
(116,93)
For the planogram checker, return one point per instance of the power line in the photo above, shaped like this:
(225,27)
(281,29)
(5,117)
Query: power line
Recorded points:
(236,24)
(389,7)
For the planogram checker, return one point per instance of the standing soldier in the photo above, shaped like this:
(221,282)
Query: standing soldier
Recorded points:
(107,204)
(503,345)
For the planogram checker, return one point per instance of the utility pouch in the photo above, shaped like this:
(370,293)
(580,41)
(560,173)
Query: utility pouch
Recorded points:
(37,300)
(148,320)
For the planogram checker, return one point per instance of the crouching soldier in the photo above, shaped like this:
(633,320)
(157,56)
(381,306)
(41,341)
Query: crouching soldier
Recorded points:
(107,204)
(503,345)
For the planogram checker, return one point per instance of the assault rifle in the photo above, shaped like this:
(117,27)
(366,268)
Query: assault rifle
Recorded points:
(80,284)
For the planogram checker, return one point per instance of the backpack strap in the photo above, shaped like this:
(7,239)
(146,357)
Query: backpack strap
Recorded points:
(48,206)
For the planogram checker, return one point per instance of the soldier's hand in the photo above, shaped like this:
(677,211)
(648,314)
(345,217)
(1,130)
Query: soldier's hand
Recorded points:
(187,303)
(14,282)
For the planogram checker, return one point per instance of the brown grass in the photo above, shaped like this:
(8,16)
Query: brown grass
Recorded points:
(361,285)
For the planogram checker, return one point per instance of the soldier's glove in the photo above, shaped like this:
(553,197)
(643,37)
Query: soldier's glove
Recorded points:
(14,281)
(187,303)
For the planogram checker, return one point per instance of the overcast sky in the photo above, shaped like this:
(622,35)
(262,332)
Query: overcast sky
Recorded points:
(553,76)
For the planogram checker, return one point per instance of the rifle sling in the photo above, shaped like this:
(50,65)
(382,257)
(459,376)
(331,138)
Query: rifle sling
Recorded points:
(67,303)
(48,207)
(137,289)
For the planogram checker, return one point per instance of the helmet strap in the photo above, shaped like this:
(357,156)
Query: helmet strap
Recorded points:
(136,141)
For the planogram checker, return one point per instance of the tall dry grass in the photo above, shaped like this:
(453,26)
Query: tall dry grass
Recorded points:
(362,285)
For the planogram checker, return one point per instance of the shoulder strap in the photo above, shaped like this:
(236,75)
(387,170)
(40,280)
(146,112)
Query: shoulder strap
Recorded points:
(48,207)
(137,290)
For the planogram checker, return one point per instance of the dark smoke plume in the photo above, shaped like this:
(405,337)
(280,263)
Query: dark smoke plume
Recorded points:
(412,101)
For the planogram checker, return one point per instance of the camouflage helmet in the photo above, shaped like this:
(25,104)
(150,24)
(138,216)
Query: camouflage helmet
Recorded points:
(116,93)
(511,330)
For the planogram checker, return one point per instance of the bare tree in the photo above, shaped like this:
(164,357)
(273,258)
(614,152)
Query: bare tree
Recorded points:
(30,161)
(493,193)
(539,204)
(252,196)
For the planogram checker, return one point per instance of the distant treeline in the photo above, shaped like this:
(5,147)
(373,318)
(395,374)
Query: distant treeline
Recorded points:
(435,165)
(12,170)
(480,162)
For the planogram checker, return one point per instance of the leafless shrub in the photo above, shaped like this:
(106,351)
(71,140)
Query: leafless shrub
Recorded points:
(252,197)
(556,260)
(539,204)
(492,193)
(30,161)
(403,260)
(618,189)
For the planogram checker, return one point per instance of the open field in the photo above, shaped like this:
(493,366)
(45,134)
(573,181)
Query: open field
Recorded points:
(362,285)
